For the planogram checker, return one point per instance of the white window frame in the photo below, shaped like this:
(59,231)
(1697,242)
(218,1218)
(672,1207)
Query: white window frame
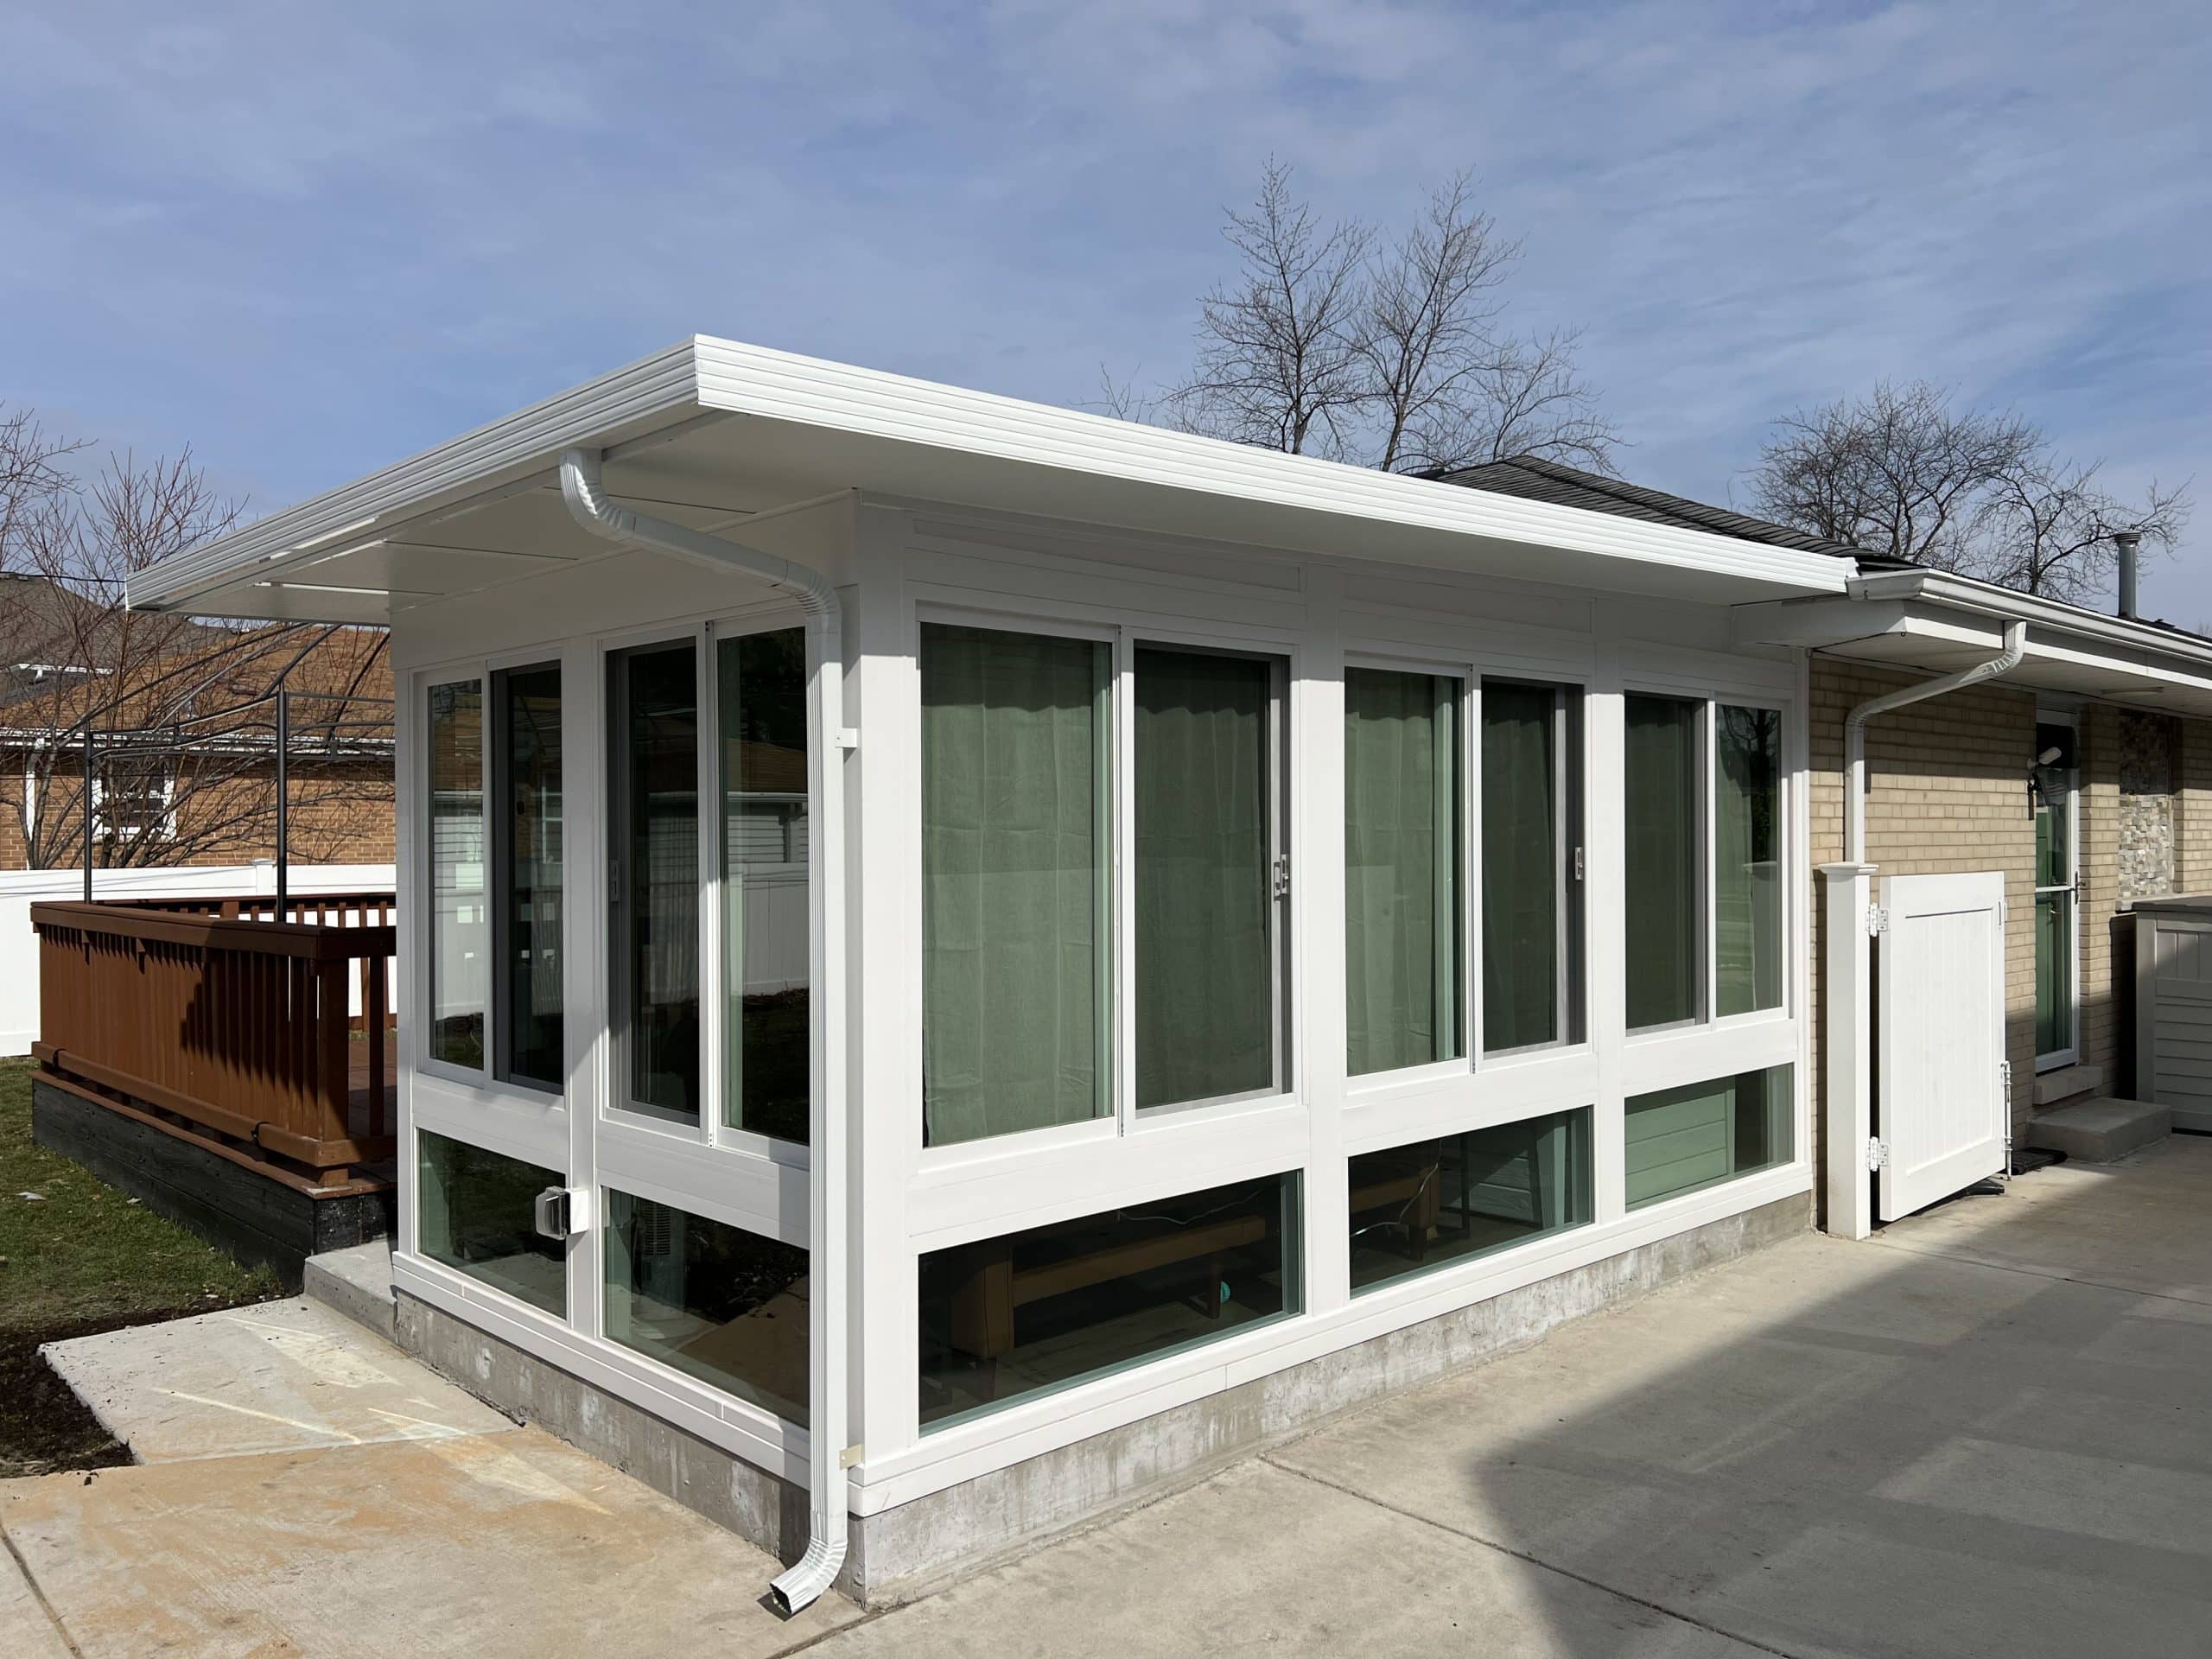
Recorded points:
(2059,1059)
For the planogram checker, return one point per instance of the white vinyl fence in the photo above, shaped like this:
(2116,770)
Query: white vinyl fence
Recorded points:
(19,889)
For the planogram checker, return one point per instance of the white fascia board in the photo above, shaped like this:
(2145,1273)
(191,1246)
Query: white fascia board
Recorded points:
(809,391)
(646,394)
(2126,641)
(719,375)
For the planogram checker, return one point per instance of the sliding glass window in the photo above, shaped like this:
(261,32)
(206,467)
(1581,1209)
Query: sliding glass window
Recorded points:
(1531,853)
(760,681)
(1663,741)
(1747,858)
(1212,876)
(1401,869)
(653,799)
(476,1213)
(527,866)
(459,928)
(1016,948)
(1685,1139)
(1459,1196)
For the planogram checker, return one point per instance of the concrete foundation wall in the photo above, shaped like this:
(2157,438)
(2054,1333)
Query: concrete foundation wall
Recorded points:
(909,1550)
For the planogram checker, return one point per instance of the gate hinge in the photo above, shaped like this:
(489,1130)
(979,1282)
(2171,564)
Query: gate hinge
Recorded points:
(1878,1152)
(1877,919)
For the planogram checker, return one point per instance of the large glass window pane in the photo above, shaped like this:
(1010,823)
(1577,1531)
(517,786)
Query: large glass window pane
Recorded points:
(458,929)
(654,792)
(1011,1317)
(1665,966)
(1207,939)
(1681,1139)
(1531,889)
(526,769)
(477,1214)
(2055,896)
(1015,933)
(1401,869)
(1747,859)
(1444,1200)
(761,684)
(714,1301)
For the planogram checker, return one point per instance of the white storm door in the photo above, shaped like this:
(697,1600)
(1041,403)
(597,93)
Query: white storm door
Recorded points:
(1940,1106)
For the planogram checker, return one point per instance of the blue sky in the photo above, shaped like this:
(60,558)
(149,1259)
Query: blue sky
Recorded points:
(430,215)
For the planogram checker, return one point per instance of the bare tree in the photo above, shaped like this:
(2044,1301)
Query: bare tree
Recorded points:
(1280,350)
(183,742)
(1901,473)
(1334,342)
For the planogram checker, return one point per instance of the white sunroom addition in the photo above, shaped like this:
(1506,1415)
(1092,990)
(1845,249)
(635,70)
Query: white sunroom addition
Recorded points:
(1261,911)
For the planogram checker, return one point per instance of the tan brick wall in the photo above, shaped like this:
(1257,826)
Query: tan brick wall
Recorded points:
(1947,794)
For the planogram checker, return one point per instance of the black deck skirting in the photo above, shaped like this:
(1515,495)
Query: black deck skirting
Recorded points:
(263,1223)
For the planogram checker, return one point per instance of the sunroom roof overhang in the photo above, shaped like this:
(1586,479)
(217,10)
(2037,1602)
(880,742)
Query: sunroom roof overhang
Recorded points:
(711,432)
(1936,623)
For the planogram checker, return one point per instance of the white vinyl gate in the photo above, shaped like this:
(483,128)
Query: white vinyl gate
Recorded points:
(1940,1074)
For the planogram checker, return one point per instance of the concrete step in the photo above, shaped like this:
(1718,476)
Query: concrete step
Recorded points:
(356,1282)
(2098,1131)
(2069,1082)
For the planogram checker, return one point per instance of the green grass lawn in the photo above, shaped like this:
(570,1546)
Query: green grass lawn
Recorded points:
(82,1257)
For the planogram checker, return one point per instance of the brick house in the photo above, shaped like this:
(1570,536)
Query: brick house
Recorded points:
(178,783)
(1272,930)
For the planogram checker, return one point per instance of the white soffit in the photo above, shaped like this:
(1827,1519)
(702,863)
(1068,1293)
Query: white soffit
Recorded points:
(476,511)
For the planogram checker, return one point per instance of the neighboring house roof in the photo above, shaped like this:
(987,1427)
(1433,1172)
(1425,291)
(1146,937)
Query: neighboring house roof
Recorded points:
(1535,479)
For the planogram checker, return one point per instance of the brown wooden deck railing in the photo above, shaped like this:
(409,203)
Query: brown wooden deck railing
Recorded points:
(239,1030)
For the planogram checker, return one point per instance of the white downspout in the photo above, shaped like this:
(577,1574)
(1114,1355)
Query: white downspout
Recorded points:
(1846,978)
(826,735)
(1854,727)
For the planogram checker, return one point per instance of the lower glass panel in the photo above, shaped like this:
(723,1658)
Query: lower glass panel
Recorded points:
(2054,972)
(1016,1316)
(1436,1201)
(714,1301)
(476,1214)
(1703,1133)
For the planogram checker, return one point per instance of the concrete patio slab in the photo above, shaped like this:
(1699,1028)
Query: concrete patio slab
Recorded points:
(508,1546)
(26,1630)
(281,1376)
(1286,1566)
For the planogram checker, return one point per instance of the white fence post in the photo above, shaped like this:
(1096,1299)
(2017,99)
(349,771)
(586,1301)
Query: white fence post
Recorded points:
(1848,1051)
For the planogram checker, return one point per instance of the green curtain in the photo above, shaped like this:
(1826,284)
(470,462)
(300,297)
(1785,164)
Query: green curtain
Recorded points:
(1520,865)
(1660,820)
(1747,860)
(1402,887)
(1205,973)
(1013,883)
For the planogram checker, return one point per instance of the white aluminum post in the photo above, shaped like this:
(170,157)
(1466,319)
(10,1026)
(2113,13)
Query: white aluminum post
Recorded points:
(1847,1055)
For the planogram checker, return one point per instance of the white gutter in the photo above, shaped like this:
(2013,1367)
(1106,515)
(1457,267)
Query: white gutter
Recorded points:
(825,732)
(1854,727)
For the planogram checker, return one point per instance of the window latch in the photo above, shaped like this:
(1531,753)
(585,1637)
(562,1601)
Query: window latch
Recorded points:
(1577,864)
(1283,875)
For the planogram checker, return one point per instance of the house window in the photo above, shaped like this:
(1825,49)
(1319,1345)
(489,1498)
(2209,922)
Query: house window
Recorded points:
(478,1217)
(760,682)
(1685,1139)
(2057,819)
(1664,911)
(1456,1197)
(134,799)
(527,861)
(653,797)
(1212,876)
(1747,858)
(1013,1317)
(1401,869)
(1531,863)
(459,927)
(714,1301)
(1016,960)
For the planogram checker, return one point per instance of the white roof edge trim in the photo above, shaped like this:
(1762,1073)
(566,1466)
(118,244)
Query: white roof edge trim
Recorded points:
(783,385)
(1941,588)
(650,387)
(704,372)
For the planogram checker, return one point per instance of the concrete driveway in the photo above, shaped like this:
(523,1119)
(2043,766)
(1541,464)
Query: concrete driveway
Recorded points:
(1989,1431)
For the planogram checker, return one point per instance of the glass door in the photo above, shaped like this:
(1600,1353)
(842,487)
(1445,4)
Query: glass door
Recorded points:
(2057,885)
